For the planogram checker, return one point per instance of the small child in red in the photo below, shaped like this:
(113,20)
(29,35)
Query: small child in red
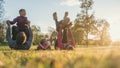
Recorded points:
(44,45)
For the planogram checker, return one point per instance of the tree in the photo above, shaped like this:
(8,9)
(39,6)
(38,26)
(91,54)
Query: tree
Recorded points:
(2,28)
(2,33)
(2,10)
(37,34)
(85,20)
(53,35)
(103,34)
(78,32)
(86,24)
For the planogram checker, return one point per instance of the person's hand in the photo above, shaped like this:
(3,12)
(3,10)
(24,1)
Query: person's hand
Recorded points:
(70,24)
(8,23)
(55,16)
(27,25)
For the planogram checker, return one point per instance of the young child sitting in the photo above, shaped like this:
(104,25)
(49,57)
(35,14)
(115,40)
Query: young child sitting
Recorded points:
(22,24)
(44,45)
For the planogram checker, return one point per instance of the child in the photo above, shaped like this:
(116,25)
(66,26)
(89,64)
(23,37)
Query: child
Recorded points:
(22,24)
(44,45)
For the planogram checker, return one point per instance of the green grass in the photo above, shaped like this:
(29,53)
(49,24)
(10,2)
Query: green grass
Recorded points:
(91,57)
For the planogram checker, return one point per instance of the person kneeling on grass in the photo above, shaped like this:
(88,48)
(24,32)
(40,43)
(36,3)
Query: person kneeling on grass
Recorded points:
(21,42)
(43,45)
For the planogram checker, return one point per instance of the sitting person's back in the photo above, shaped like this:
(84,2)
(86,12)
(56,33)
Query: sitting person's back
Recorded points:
(21,42)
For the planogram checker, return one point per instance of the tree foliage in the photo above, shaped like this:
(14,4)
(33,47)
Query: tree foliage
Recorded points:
(86,24)
(2,10)
(37,34)
(103,32)
(53,35)
(85,20)
(2,27)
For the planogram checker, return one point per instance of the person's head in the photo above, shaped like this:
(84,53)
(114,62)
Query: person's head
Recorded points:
(22,12)
(43,41)
(66,14)
(21,38)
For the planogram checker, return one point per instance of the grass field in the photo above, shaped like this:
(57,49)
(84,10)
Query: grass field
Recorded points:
(91,57)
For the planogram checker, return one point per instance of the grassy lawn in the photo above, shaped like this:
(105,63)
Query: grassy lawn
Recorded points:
(91,57)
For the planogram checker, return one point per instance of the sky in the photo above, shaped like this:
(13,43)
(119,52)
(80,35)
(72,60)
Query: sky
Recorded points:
(39,12)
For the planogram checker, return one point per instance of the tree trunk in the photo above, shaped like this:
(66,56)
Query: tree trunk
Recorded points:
(87,39)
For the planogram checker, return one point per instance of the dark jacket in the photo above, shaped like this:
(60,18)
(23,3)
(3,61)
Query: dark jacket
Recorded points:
(14,45)
(21,21)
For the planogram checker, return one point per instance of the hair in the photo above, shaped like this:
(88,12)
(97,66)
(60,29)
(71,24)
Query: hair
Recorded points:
(21,10)
(66,13)
(43,41)
(21,38)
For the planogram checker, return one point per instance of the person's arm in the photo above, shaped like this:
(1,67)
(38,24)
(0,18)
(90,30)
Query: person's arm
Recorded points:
(11,42)
(41,47)
(14,20)
(47,46)
(29,42)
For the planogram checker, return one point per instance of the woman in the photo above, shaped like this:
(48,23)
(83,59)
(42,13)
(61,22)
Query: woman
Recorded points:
(21,42)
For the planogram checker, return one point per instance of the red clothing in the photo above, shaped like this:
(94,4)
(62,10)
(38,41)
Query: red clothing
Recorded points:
(42,47)
(72,42)
(21,21)
(59,40)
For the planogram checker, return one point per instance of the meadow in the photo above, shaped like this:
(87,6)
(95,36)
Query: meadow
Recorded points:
(82,57)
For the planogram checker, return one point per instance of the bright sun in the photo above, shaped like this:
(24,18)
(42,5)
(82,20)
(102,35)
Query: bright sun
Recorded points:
(114,31)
